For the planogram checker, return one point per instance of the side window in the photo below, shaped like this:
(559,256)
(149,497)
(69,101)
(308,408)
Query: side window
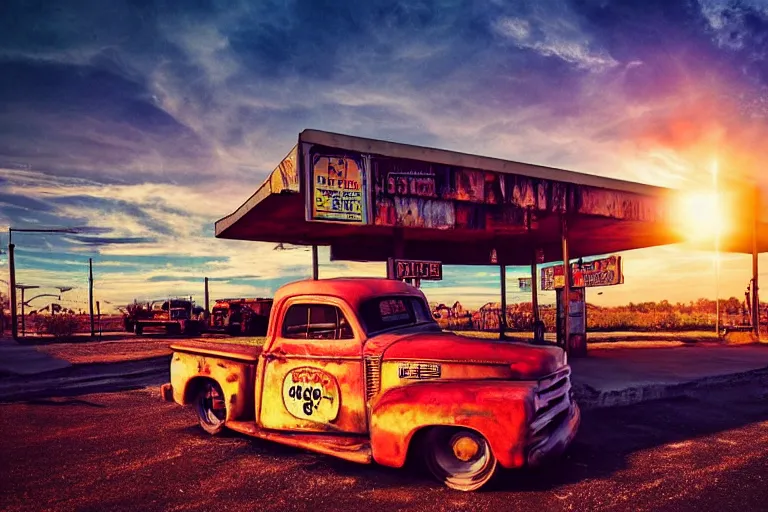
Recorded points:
(316,322)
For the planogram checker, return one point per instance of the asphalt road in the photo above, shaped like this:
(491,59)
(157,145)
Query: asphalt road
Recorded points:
(127,450)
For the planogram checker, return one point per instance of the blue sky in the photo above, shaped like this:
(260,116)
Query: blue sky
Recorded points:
(146,121)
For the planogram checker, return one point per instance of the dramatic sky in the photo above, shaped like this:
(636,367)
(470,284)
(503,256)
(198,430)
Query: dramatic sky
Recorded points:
(143,122)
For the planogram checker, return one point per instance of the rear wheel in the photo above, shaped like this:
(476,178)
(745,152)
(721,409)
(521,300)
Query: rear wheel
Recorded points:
(211,407)
(460,458)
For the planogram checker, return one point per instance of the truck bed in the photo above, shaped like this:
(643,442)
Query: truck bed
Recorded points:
(246,353)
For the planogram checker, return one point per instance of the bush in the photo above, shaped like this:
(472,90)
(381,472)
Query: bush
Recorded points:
(59,326)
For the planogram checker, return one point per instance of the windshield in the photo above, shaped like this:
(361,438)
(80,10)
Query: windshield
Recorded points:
(383,313)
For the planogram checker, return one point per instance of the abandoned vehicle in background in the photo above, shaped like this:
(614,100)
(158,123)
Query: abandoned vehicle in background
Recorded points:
(175,315)
(241,316)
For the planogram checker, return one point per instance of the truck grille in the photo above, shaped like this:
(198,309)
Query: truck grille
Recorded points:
(372,376)
(552,400)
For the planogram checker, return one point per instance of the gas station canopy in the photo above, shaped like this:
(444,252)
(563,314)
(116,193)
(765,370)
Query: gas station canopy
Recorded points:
(370,200)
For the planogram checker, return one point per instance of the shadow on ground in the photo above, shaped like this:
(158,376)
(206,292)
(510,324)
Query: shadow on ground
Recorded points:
(606,440)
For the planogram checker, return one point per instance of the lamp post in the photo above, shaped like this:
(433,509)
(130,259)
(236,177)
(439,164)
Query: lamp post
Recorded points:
(12,270)
(23,287)
(38,296)
(2,307)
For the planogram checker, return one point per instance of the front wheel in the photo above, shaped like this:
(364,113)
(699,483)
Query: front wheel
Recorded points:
(460,458)
(211,407)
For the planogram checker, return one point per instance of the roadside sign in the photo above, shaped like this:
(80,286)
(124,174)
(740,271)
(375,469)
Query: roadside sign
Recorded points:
(601,272)
(415,269)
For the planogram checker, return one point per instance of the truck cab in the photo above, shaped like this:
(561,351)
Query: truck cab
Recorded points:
(359,369)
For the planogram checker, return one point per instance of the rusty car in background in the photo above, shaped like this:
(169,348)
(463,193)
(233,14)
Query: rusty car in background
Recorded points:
(175,315)
(359,369)
(241,316)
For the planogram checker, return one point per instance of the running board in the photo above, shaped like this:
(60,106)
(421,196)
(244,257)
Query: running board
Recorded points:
(351,448)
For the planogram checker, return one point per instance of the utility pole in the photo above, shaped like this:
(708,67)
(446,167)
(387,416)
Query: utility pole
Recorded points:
(23,324)
(12,279)
(90,295)
(207,301)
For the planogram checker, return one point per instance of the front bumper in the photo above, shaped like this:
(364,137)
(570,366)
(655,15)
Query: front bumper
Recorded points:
(556,443)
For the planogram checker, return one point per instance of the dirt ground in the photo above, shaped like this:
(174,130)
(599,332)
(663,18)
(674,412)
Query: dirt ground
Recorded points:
(129,450)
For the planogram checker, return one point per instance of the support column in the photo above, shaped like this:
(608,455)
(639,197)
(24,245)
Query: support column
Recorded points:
(534,284)
(398,252)
(534,290)
(90,296)
(566,285)
(503,315)
(12,280)
(315,264)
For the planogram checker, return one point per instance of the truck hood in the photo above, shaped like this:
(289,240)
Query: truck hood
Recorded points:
(526,361)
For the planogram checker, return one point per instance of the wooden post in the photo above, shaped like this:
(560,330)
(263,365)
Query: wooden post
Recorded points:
(90,296)
(566,285)
(503,314)
(315,264)
(12,279)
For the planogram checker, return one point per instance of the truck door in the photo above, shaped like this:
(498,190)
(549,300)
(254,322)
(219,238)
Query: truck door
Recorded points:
(313,369)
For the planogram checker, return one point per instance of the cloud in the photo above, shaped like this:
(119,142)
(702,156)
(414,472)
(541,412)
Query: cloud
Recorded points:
(556,38)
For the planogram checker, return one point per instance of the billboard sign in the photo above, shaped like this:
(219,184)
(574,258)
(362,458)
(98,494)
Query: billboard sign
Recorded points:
(601,272)
(338,188)
(525,284)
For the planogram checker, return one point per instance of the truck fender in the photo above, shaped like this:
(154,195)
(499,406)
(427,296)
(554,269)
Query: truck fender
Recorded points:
(234,378)
(499,410)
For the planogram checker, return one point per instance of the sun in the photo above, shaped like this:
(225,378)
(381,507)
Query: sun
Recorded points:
(701,216)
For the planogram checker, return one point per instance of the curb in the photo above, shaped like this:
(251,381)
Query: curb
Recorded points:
(75,368)
(590,398)
(86,376)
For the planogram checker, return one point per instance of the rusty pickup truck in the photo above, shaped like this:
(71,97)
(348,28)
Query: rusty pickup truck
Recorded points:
(359,369)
